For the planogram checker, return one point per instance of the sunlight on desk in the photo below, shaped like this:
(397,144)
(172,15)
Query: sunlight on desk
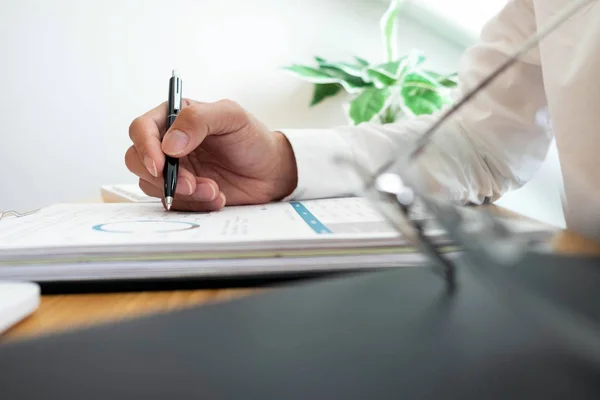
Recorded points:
(61,312)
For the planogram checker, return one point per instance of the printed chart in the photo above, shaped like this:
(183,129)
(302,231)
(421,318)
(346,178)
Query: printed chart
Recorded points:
(145,226)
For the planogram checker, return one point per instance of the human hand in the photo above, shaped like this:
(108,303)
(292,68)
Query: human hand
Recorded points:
(226,156)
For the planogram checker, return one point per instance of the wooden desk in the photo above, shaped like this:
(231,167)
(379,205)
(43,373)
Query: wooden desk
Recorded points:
(61,312)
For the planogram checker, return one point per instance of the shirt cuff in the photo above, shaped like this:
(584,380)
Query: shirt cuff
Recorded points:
(320,175)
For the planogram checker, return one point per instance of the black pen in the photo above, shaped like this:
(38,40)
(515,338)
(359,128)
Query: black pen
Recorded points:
(172,164)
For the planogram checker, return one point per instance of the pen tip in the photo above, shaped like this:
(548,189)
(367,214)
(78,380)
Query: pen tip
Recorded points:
(168,203)
(175,73)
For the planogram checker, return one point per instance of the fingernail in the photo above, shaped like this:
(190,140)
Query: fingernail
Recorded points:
(189,186)
(175,142)
(185,187)
(205,192)
(151,166)
(222,196)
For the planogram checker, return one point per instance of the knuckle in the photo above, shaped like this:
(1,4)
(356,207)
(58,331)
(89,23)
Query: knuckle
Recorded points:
(192,118)
(228,103)
(186,113)
(234,109)
(187,119)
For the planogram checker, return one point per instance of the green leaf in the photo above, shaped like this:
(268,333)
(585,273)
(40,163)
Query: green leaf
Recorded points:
(361,62)
(380,79)
(324,90)
(344,68)
(325,75)
(352,88)
(385,74)
(421,79)
(389,73)
(421,101)
(368,104)
(320,60)
(352,84)
(449,81)
(311,74)
(391,69)
(388,25)
(434,77)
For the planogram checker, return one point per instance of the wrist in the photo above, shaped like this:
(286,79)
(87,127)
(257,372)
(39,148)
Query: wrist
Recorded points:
(286,180)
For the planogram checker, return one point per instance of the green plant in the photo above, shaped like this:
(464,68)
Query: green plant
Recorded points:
(398,87)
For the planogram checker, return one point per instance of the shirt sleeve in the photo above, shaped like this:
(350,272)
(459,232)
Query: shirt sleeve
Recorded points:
(494,144)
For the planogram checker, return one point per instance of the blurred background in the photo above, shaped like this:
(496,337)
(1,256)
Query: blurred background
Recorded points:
(74,74)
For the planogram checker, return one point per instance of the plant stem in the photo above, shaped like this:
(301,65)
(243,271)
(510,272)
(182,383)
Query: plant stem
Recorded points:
(389,115)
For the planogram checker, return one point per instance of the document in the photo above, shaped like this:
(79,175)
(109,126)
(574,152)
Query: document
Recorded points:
(142,240)
(133,223)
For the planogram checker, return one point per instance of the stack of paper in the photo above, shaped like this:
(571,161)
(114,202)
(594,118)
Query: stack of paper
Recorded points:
(134,240)
(125,193)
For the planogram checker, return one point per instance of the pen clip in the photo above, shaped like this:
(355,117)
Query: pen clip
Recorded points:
(175,93)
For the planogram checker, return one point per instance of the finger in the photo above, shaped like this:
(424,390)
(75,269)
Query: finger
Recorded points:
(145,133)
(150,189)
(197,120)
(186,181)
(184,203)
(200,188)
(206,190)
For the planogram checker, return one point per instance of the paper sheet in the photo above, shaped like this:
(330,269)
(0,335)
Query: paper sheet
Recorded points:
(130,223)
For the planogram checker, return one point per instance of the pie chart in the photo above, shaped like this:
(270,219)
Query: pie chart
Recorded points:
(145,226)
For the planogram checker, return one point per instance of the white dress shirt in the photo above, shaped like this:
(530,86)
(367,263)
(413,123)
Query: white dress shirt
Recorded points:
(499,140)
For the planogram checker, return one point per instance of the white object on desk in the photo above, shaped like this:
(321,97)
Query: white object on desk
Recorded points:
(17,301)
(125,194)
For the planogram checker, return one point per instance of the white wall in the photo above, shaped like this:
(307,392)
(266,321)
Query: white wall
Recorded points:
(74,74)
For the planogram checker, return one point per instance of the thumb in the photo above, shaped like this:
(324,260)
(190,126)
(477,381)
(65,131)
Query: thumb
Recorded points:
(198,120)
